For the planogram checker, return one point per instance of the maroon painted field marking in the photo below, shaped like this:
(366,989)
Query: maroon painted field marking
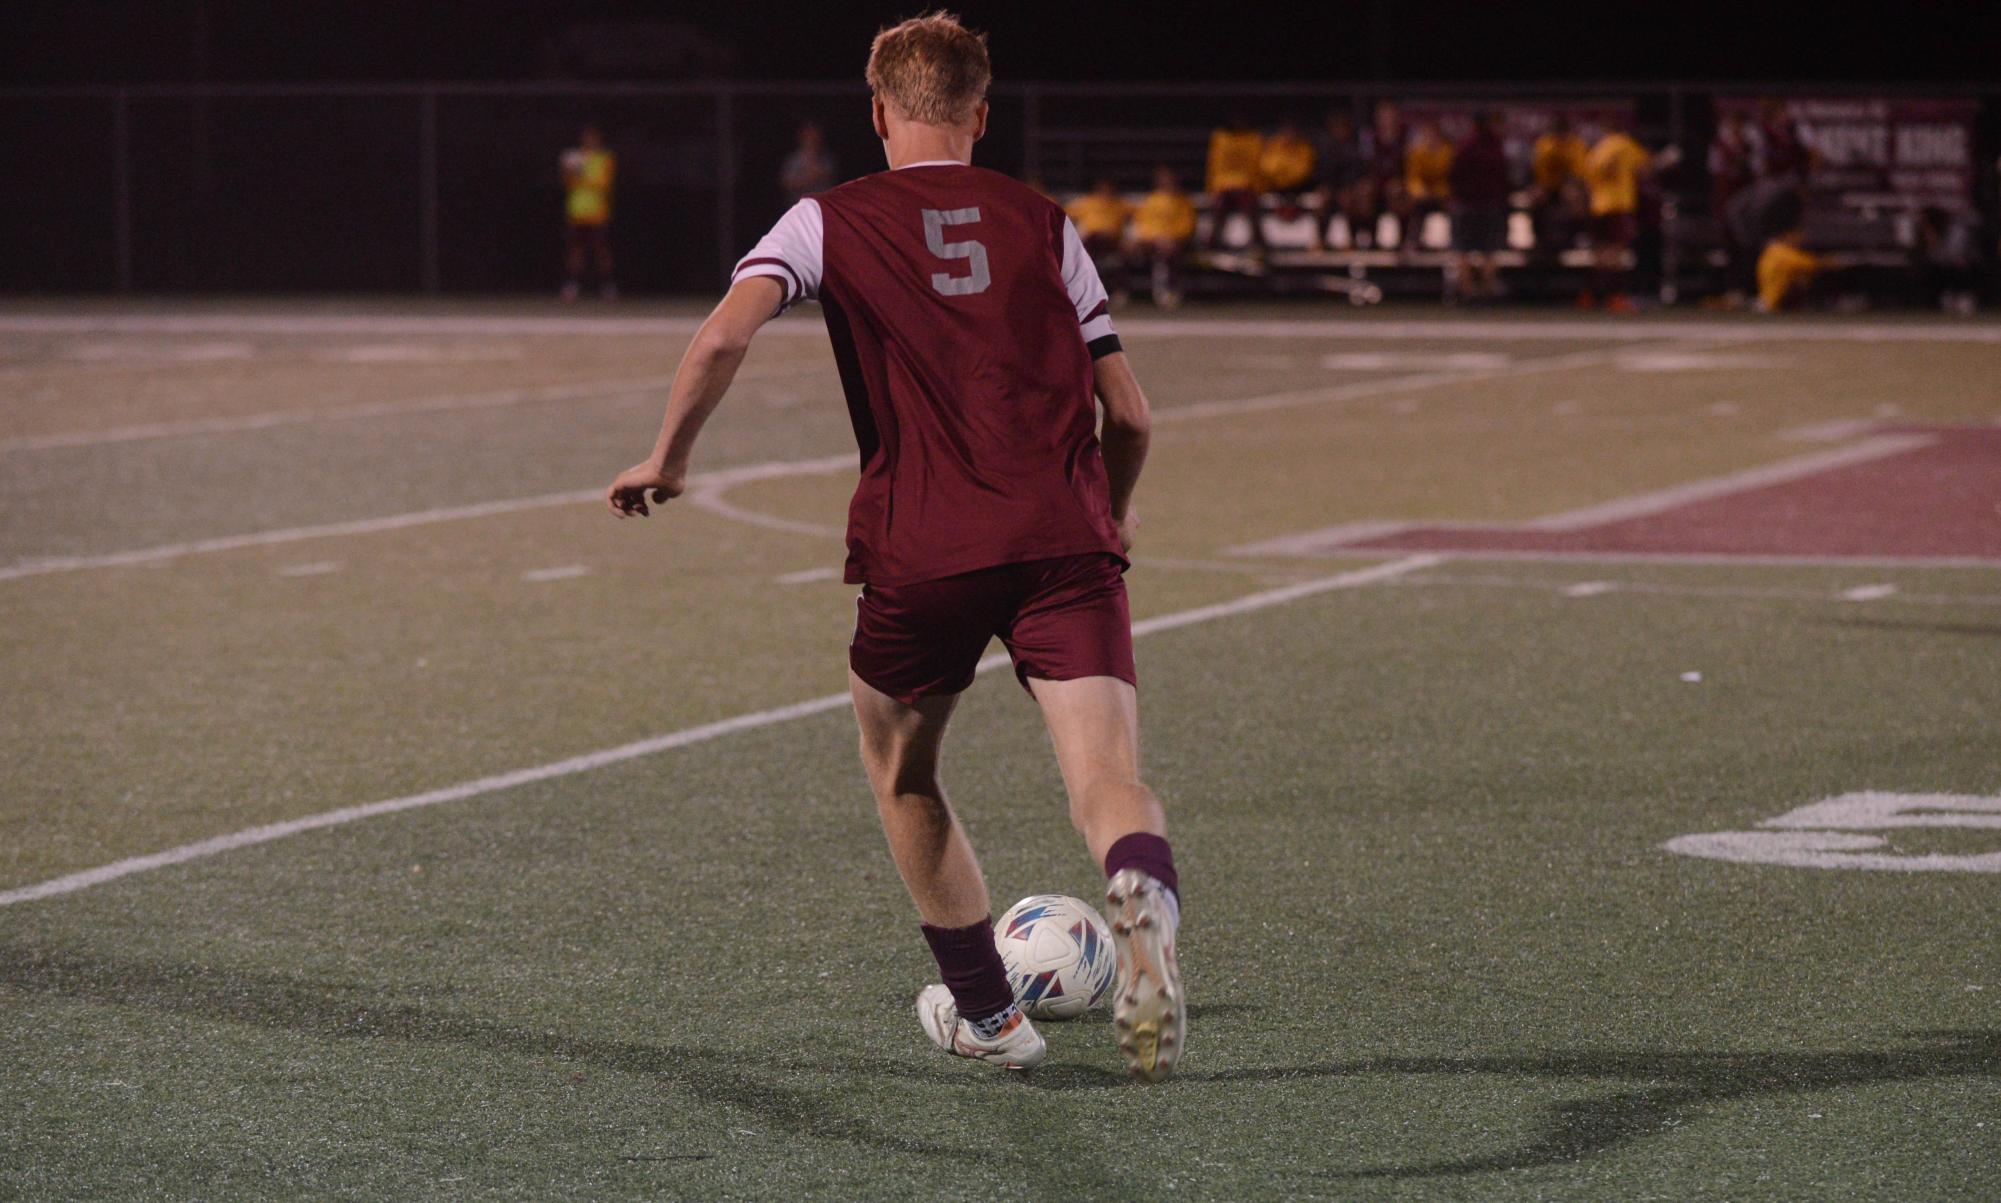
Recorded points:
(1919,495)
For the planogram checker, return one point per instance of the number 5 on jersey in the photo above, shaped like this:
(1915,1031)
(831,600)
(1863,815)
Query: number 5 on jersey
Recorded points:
(975,254)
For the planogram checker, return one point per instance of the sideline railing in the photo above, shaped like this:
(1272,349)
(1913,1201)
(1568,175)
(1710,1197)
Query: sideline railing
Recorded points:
(445,186)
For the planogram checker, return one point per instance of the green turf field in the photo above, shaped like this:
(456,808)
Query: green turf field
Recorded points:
(260,565)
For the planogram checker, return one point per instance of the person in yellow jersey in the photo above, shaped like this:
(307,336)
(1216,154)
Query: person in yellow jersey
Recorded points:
(1285,164)
(1786,269)
(1101,216)
(1234,180)
(1556,167)
(1612,172)
(589,171)
(1163,226)
(1427,178)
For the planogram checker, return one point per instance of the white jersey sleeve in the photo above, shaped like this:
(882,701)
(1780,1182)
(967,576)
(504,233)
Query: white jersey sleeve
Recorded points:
(791,254)
(1087,293)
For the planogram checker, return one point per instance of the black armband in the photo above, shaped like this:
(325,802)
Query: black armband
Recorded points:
(1101,347)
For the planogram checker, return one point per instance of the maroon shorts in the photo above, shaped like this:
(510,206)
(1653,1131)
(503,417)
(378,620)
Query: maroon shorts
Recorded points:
(1061,619)
(1613,230)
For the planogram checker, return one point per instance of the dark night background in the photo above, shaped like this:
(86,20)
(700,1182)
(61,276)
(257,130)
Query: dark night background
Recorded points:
(124,41)
(307,189)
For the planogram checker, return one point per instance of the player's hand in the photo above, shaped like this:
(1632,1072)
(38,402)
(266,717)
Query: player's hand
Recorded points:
(1128,530)
(627,494)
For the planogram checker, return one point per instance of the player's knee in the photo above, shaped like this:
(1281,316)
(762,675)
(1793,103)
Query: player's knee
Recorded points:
(900,779)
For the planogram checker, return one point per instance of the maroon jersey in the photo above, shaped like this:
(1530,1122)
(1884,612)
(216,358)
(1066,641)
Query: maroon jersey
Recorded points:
(964,316)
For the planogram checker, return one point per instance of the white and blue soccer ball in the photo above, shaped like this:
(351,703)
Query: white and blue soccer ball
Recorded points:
(1059,955)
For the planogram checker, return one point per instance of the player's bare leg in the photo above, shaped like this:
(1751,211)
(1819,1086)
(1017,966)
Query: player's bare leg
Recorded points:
(1094,725)
(972,1014)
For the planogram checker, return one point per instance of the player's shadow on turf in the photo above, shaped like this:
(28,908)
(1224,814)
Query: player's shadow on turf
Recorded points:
(338,1010)
(1919,625)
(1669,1088)
(1678,1088)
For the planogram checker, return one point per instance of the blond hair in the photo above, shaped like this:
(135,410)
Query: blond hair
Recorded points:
(930,69)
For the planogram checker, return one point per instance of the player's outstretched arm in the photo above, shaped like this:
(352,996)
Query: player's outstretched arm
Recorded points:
(704,376)
(1127,430)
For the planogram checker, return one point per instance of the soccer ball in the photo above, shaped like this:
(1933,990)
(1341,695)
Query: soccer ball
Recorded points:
(1060,957)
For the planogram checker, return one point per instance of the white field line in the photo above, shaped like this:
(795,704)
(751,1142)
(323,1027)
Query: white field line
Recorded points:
(564,572)
(711,499)
(1837,430)
(317,568)
(499,398)
(706,491)
(1298,398)
(1714,592)
(417,321)
(808,576)
(1639,505)
(1643,504)
(583,390)
(366,526)
(1869,592)
(1697,558)
(201,849)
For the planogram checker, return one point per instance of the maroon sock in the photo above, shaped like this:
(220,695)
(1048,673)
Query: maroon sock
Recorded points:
(1149,854)
(972,968)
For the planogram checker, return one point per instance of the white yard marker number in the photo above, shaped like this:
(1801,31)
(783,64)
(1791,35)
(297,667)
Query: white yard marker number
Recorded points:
(1830,835)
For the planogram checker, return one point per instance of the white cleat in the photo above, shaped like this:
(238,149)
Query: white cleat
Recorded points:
(1019,1045)
(1148,1009)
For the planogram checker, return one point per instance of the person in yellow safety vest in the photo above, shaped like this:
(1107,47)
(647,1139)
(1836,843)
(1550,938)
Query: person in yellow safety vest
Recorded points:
(1234,179)
(1163,226)
(589,170)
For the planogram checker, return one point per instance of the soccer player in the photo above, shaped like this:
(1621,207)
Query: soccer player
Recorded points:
(588,170)
(971,332)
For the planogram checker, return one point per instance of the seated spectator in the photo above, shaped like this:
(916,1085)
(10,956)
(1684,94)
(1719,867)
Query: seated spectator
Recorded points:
(1786,271)
(1286,162)
(1234,153)
(1612,173)
(1557,170)
(1427,175)
(809,168)
(1481,192)
(1163,226)
(1344,172)
(1384,147)
(1101,216)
